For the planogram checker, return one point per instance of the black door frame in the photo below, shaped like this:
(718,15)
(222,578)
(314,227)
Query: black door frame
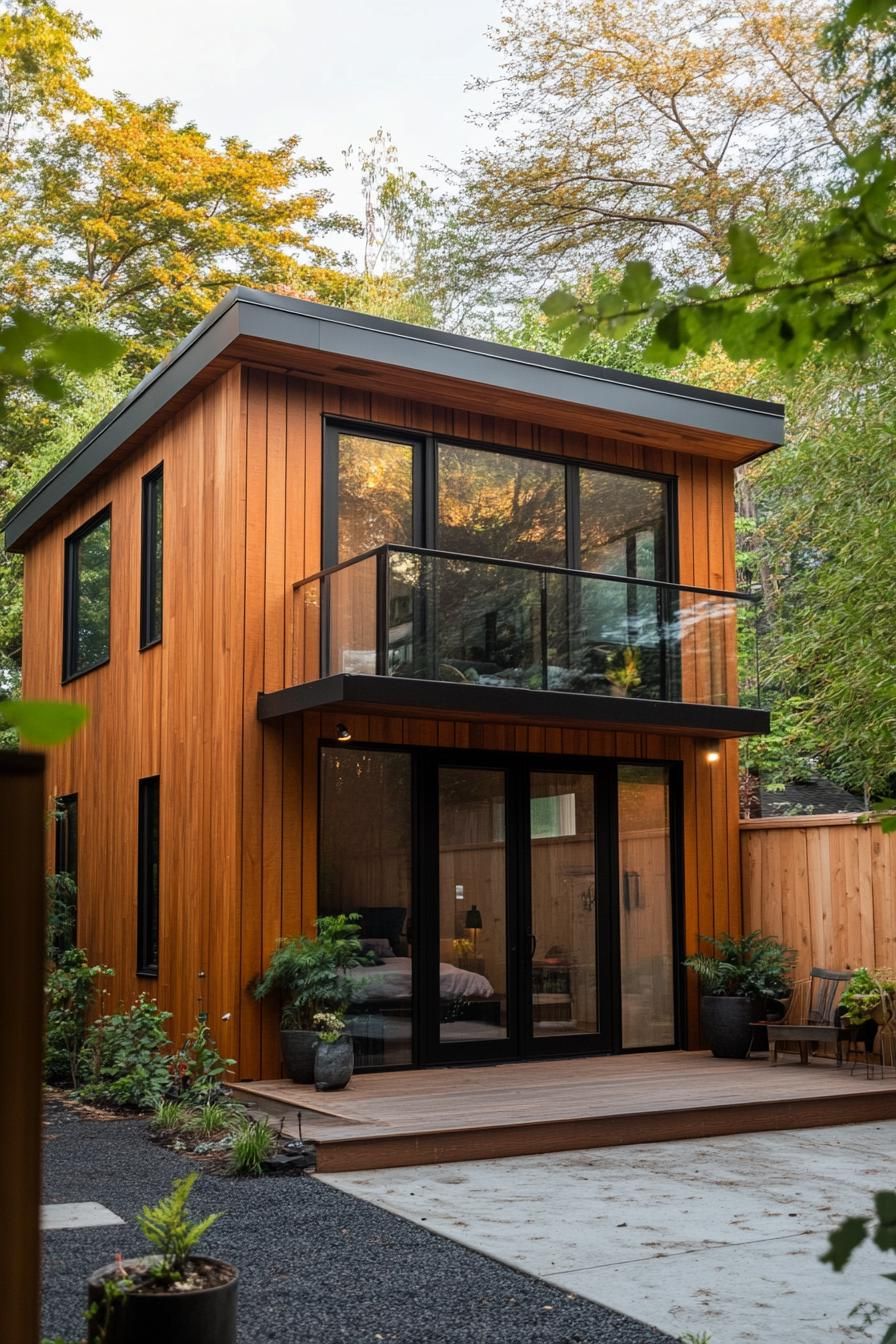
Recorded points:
(424,917)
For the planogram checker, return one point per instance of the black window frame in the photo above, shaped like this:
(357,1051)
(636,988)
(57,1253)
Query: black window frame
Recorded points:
(65,853)
(148,876)
(69,597)
(426,489)
(152,488)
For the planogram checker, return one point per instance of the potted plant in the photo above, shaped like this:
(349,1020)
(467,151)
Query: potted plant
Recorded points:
(171,1295)
(334,1055)
(870,996)
(310,973)
(737,983)
(624,671)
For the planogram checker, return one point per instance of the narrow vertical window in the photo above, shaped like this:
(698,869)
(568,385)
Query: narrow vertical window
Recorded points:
(151,561)
(62,914)
(86,616)
(148,878)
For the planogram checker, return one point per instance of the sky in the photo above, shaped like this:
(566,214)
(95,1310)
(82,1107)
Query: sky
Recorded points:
(330,72)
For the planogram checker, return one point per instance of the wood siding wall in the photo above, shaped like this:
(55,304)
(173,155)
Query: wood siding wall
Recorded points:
(826,886)
(242,525)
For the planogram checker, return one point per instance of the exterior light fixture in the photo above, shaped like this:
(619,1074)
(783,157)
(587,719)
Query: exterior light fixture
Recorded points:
(713,753)
(342,733)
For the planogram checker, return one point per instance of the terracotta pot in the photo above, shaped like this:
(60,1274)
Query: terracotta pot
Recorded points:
(334,1064)
(297,1052)
(191,1316)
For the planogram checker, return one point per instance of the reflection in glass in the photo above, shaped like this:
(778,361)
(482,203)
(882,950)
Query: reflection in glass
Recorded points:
(352,608)
(366,795)
(87,627)
(622,524)
(564,904)
(496,504)
(472,906)
(375,495)
(645,908)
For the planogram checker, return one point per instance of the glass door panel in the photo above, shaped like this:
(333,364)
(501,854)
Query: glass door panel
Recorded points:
(563,945)
(646,938)
(473,962)
(366,870)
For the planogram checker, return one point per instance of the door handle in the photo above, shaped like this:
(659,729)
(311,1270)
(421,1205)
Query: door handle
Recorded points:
(533,943)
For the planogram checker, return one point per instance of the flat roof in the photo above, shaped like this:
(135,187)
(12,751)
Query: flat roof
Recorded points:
(316,340)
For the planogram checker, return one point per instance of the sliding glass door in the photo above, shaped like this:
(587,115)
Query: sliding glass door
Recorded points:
(511,907)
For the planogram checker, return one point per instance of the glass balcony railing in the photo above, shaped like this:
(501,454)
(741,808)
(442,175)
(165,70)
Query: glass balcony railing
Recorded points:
(404,612)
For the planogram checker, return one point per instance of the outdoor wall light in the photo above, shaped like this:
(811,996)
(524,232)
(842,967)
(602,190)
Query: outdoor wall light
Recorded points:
(342,733)
(713,753)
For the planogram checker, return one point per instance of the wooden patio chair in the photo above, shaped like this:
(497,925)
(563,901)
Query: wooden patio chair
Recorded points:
(811,1017)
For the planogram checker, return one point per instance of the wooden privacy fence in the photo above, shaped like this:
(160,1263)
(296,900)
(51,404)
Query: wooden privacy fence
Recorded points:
(825,885)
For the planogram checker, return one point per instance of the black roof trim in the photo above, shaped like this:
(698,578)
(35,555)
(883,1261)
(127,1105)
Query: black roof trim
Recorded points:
(410,692)
(274,317)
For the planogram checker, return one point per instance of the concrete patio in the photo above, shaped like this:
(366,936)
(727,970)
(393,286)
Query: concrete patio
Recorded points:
(718,1235)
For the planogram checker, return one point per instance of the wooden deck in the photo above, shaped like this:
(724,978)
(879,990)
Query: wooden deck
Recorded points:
(457,1114)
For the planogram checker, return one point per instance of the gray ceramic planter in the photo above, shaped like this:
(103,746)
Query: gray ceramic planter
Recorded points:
(297,1050)
(197,1316)
(334,1064)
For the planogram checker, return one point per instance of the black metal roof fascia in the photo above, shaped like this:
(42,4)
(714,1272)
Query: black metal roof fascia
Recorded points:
(410,692)
(273,317)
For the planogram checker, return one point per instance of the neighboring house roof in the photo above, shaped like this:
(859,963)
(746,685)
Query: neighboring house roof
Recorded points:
(318,341)
(807,798)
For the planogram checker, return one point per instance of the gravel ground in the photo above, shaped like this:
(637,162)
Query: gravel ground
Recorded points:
(316,1265)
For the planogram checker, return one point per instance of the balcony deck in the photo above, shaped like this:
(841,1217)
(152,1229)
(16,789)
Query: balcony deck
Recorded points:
(505,1110)
(440,632)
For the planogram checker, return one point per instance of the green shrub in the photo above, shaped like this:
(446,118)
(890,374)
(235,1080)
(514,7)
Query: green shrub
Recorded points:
(170,1118)
(167,1227)
(870,996)
(124,1061)
(253,1142)
(200,1069)
(71,990)
(214,1118)
(756,966)
(310,973)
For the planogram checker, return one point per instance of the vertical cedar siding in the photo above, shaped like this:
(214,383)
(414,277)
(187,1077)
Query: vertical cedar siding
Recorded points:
(242,524)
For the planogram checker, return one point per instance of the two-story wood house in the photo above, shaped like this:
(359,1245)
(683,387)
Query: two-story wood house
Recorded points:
(375,619)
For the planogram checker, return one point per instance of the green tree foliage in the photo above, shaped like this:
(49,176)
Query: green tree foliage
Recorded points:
(826,537)
(823,277)
(643,128)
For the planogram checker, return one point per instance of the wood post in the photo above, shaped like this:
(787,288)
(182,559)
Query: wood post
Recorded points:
(22,1015)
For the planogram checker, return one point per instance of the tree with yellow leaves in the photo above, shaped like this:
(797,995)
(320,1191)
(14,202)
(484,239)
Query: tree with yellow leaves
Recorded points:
(646,128)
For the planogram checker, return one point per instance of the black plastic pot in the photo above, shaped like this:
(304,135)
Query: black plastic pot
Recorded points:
(197,1316)
(297,1050)
(726,1024)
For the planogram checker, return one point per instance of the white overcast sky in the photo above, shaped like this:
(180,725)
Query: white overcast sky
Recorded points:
(332,71)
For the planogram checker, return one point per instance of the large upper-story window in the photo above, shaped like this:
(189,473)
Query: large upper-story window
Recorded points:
(373,489)
(500,504)
(423,491)
(86,619)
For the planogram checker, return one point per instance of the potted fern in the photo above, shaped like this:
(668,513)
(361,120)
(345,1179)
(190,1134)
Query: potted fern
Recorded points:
(172,1294)
(311,975)
(737,983)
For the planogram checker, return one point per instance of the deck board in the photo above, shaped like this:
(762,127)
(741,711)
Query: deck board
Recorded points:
(434,1115)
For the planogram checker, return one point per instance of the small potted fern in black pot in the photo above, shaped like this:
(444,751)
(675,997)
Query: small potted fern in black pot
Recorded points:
(311,975)
(171,1296)
(738,983)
